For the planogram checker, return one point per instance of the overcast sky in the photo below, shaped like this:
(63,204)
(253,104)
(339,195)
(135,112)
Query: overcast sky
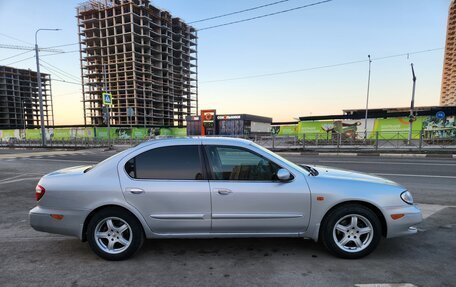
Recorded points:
(340,31)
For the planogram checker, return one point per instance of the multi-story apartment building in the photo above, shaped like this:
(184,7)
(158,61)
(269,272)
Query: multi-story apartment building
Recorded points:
(19,100)
(448,92)
(142,55)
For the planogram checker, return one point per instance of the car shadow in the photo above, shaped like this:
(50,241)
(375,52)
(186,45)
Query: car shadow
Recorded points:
(243,247)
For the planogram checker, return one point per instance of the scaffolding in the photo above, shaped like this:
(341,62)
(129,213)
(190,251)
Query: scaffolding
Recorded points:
(19,99)
(149,59)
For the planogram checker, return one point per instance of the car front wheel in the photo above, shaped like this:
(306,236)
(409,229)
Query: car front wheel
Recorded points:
(351,231)
(114,234)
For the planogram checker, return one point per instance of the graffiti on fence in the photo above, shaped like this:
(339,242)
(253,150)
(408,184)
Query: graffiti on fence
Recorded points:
(91,133)
(387,128)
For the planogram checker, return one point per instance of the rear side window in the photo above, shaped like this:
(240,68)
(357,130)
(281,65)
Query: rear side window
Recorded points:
(172,162)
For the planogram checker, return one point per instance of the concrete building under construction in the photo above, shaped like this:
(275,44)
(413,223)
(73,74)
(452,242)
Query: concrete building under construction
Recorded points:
(448,93)
(142,55)
(19,100)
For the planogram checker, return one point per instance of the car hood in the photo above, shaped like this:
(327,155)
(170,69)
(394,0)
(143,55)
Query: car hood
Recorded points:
(334,173)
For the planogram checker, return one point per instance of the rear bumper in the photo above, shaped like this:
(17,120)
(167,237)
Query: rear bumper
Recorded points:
(404,225)
(71,224)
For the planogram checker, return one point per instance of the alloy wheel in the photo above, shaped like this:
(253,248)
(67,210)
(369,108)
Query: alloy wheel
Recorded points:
(353,233)
(113,235)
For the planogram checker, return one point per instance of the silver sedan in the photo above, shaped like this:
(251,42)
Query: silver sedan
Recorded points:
(218,187)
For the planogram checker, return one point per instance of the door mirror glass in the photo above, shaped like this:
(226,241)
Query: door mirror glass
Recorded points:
(283,175)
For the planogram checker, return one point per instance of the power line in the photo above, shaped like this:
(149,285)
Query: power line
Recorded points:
(17,55)
(266,15)
(20,61)
(13,38)
(68,82)
(322,67)
(64,45)
(58,74)
(238,12)
(51,72)
(62,71)
(59,53)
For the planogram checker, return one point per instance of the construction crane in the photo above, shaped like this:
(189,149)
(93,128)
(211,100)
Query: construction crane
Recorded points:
(28,48)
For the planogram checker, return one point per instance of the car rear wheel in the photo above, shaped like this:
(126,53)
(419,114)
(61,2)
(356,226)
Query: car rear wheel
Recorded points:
(114,234)
(351,231)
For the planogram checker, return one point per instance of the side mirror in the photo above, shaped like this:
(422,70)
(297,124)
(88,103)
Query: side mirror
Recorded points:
(283,174)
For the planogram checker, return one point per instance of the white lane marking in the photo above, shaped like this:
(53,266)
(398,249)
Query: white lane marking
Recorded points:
(19,179)
(429,209)
(419,155)
(384,162)
(289,153)
(386,285)
(415,175)
(17,176)
(338,154)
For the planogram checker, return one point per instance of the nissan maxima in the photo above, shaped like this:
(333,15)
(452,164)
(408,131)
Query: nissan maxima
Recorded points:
(219,187)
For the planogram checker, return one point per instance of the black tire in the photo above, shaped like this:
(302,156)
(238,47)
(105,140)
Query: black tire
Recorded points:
(134,234)
(351,249)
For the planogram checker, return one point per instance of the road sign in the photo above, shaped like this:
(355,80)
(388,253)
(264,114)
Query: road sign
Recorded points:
(440,115)
(107,99)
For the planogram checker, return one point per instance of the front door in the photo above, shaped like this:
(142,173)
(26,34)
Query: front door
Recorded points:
(247,197)
(167,185)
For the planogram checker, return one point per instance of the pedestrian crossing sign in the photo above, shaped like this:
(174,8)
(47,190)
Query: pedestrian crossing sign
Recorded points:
(107,99)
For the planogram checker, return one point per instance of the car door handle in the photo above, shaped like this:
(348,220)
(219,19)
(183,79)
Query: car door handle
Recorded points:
(223,191)
(135,190)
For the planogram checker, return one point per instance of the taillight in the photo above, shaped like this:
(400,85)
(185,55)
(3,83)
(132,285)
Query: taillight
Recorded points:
(39,192)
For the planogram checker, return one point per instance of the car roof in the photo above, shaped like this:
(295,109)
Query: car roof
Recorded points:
(198,139)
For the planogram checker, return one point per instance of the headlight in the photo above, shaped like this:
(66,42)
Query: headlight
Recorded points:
(407,197)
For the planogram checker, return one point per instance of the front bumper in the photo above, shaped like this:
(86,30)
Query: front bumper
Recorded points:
(404,225)
(71,224)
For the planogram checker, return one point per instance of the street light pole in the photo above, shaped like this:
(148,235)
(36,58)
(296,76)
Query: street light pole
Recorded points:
(40,92)
(412,107)
(367,98)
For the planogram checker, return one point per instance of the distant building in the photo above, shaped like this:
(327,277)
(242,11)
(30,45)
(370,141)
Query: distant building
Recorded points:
(19,101)
(228,125)
(145,57)
(448,93)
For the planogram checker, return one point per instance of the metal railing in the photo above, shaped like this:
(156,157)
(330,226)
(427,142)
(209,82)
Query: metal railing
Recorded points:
(375,141)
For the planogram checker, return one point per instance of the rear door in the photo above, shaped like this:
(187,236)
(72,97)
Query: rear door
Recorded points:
(247,197)
(167,185)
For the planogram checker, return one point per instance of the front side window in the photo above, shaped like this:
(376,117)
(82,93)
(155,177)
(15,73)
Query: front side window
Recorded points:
(235,163)
(172,162)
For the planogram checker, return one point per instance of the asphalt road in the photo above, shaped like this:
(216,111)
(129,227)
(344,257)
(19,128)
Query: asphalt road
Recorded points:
(30,258)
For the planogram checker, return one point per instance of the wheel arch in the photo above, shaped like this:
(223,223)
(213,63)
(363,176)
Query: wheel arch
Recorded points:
(94,211)
(369,205)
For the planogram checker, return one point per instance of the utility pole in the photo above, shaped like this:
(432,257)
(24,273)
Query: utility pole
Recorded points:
(412,106)
(130,114)
(367,98)
(105,88)
(40,92)
(23,118)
